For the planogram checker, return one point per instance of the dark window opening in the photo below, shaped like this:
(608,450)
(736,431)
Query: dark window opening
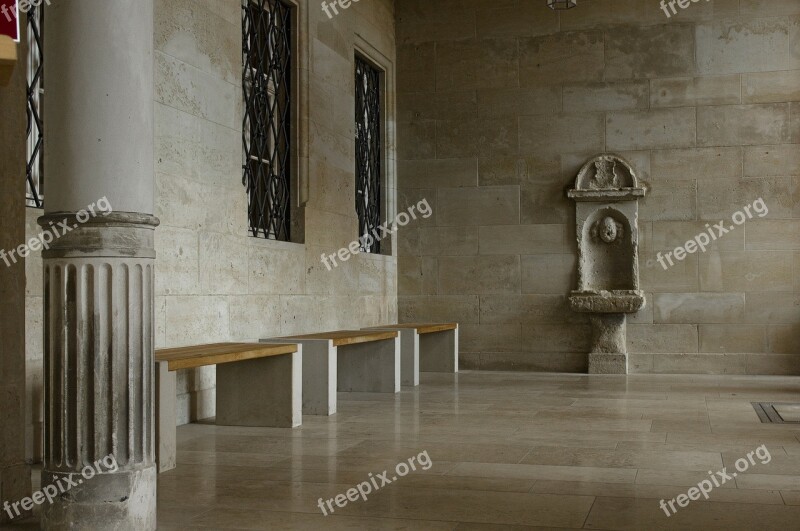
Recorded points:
(34,169)
(368,153)
(266,132)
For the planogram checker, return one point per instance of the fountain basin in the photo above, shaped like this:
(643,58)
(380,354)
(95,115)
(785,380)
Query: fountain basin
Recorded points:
(607,301)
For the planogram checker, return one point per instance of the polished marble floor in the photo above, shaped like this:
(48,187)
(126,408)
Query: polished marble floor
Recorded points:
(508,451)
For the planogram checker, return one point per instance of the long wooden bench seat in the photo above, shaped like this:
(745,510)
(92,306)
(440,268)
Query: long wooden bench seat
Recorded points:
(219,353)
(425,347)
(343,338)
(346,361)
(425,328)
(257,385)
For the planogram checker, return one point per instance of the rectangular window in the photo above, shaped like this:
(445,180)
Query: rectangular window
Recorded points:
(368,153)
(267,128)
(34,171)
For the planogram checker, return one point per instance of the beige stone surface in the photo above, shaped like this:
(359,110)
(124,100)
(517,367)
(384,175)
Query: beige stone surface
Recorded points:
(668,52)
(690,308)
(743,271)
(699,163)
(692,91)
(779,160)
(768,87)
(548,136)
(655,128)
(497,205)
(728,46)
(604,450)
(214,281)
(732,338)
(744,125)
(702,104)
(607,96)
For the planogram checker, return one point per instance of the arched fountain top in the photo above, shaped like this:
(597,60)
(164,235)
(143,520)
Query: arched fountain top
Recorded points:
(606,177)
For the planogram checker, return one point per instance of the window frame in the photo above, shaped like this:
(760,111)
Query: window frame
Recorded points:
(297,156)
(381,130)
(34,107)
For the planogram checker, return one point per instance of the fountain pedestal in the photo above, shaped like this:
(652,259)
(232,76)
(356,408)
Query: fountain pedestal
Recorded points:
(609,354)
(606,194)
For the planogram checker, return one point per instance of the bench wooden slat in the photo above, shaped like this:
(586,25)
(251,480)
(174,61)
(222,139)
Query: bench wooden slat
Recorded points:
(202,355)
(349,337)
(427,328)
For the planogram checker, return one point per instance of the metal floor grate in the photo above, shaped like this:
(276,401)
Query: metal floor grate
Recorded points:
(777,412)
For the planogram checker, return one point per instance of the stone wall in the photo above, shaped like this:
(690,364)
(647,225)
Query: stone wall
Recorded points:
(214,282)
(15,478)
(500,103)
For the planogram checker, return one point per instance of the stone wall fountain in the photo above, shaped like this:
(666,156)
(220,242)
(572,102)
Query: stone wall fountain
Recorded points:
(606,195)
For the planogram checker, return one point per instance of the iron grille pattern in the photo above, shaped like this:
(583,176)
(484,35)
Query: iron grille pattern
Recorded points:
(266,132)
(34,170)
(368,153)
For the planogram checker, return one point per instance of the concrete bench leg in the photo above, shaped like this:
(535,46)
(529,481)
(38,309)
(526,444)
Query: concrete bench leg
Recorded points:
(409,357)
(318,375)
(439,351)
(370,367)
(261,392)
(166,421)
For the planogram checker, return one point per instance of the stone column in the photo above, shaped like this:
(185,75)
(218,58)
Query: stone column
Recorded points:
(98,276)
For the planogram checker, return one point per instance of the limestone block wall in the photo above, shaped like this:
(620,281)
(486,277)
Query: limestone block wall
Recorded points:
(14,471)
(214,282)
(500,103)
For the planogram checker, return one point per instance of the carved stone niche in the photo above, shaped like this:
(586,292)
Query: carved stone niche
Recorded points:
(606,194)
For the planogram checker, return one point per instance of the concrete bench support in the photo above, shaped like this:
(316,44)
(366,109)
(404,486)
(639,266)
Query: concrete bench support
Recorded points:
(439,351)
(261,392)
(370,367)
(318,375)
(166,421)
(409,354)
(346,361)
(257,385)
(426,348)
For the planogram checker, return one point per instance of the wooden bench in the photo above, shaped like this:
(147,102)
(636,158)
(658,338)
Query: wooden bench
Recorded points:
(425,347)
(257,385)
(346,361)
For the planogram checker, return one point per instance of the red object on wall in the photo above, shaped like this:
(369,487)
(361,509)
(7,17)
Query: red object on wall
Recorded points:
(9,21)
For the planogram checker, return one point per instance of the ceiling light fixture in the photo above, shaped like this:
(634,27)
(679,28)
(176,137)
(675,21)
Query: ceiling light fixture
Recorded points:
(561,4)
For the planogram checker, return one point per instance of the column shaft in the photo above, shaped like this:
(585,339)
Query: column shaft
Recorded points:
(98,276)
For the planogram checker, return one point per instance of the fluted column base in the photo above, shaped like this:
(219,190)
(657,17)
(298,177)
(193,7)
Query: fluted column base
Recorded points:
(123,500)
(99,374)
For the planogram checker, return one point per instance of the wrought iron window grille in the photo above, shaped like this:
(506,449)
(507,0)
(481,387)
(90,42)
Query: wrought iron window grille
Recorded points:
(266,132)
(34,168)
(368,152)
